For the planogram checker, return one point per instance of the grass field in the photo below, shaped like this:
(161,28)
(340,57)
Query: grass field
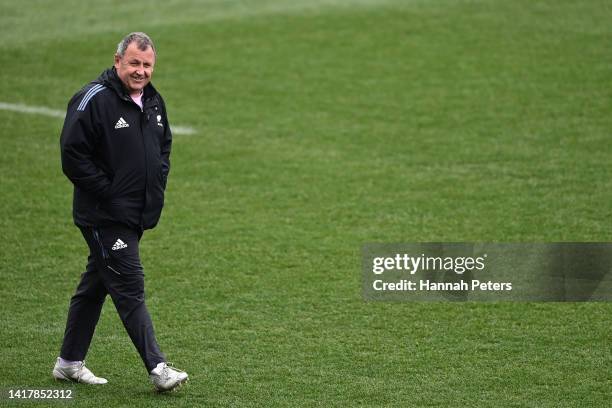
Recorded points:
(321,125)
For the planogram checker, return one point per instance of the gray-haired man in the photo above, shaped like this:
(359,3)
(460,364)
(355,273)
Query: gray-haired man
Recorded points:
(115,148)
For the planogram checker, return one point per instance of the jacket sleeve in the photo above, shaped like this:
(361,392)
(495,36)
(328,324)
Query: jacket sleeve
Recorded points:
(166,146)
(77,145)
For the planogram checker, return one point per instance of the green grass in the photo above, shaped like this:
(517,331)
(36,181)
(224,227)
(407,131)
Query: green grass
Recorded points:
(322,125)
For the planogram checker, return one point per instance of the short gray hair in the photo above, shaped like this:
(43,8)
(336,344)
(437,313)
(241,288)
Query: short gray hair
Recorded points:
(142,40)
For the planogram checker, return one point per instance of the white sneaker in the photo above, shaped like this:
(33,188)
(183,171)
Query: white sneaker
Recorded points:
(167,378)
(76,372)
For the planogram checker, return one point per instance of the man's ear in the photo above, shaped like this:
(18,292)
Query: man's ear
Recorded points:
(117,60)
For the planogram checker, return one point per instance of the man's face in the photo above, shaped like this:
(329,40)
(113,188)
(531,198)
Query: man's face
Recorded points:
(135,68)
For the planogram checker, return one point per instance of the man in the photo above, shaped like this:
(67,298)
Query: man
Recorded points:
(115,148)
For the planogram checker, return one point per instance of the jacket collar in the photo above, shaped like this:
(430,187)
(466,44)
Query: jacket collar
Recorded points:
(109,78)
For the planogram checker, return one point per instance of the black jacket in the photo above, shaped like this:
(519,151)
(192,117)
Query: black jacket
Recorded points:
(117,156)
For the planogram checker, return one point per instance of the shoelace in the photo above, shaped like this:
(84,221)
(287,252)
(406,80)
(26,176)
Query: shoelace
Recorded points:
(81,370)
(166,370)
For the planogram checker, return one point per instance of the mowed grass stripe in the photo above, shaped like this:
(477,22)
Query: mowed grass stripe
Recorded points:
(123,16)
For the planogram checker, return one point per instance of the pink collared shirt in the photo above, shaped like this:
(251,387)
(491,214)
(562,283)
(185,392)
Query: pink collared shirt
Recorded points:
(137,99)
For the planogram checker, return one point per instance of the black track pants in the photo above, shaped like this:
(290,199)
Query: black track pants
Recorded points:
(113,268)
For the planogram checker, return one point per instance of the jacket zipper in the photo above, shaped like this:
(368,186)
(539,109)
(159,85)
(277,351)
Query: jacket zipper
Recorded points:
(144,144)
